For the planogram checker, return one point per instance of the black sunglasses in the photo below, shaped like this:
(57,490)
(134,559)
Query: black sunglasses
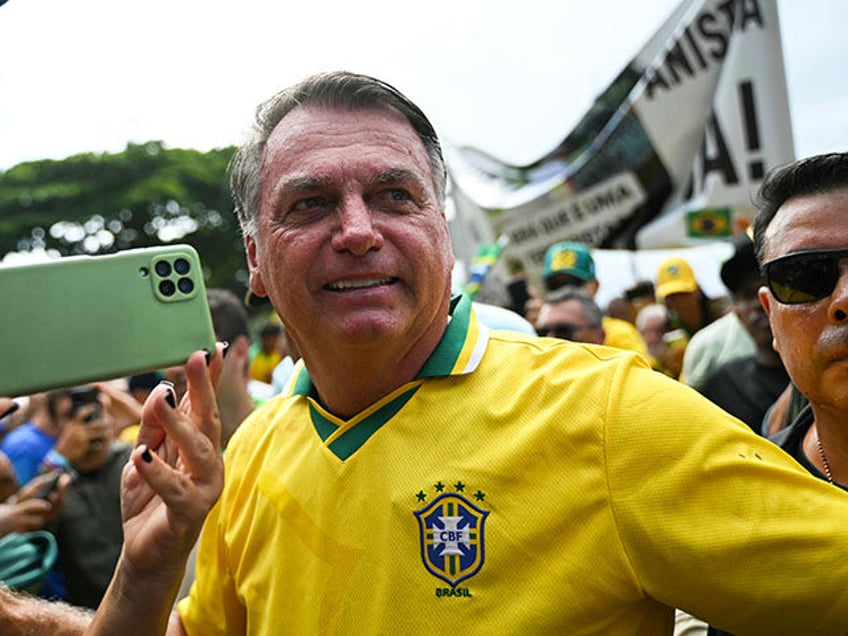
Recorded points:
(561,330)
(804,277)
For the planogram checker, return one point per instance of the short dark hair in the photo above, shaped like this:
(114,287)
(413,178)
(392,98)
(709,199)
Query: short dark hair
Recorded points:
(229,317)
(818,174)
(340,90)
(270,328)
(594,315)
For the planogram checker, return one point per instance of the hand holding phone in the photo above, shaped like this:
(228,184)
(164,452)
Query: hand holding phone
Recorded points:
(83,397)
(84,319)
(51,485)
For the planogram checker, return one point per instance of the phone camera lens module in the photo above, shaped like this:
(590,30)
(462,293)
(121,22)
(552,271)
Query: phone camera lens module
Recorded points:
(167,288)
(186,285)
(163,268)
(181,266)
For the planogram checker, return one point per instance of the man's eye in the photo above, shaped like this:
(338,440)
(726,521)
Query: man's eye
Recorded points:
(399,195)
(307,204)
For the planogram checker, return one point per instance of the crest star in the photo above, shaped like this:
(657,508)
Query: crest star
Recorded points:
(421,495)
(459,487)
(479,495)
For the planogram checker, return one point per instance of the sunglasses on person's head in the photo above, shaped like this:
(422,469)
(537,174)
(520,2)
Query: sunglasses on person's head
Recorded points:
(804,277)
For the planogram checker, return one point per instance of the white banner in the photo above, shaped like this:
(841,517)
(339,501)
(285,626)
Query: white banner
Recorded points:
(669,155)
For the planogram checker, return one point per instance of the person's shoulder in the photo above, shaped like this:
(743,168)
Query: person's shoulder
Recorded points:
(20,437)
(727,374)
(787,437)
(736,366)
(258,422)
(495,317)
(716,329)
(624,335)
(528,356)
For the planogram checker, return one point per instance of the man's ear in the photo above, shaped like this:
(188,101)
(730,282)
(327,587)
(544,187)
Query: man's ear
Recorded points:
(257,286)
(765,301)
(591,287)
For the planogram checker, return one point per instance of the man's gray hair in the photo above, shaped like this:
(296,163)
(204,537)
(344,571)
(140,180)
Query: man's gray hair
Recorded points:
(648,312)
(338,90)
(594,315)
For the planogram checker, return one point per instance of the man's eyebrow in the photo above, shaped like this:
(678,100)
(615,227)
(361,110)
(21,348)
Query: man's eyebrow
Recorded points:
(302,184)
(396,175)
(297,185)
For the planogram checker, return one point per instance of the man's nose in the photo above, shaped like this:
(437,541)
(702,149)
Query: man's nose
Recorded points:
(838,308)
(356,232)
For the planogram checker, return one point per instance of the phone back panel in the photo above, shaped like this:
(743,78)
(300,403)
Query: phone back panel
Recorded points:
(87,318)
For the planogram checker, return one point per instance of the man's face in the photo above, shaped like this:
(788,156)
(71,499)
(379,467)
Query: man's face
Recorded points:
(687,307)
(812,338)
(351,246)
(653,329)
(749,310)
(567,318)
(93,433)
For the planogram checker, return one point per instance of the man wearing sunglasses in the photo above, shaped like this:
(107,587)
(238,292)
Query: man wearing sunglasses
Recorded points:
(570,264)
(570,314)
(801,240)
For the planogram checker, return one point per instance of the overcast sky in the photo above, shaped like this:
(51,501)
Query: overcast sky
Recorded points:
(511,78)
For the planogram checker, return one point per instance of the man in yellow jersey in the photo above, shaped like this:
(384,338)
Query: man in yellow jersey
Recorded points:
(426,475)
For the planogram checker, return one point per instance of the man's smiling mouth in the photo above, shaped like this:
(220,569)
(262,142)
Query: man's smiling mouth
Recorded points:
(360,284)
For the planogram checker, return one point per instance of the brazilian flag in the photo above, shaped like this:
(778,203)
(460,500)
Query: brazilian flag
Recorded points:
(709,223)
(485,258)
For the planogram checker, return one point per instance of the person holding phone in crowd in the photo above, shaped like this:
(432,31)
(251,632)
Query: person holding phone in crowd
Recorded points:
(88,529)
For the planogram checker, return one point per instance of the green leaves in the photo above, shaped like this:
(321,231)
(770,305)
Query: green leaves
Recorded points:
(146,195)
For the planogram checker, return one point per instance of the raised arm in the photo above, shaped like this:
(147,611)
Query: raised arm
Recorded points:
(173,479)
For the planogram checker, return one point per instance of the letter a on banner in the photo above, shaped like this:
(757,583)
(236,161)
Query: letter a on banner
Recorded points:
(670,153)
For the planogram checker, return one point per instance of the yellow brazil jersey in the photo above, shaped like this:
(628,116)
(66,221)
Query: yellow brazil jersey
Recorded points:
(262,365)
(518,485)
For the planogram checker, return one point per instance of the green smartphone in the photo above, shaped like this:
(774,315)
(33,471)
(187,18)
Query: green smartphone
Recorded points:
(81,319)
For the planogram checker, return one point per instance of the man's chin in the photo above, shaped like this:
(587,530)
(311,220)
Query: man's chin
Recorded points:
(367,328)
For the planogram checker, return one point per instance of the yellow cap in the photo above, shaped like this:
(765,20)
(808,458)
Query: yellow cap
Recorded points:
(675,277)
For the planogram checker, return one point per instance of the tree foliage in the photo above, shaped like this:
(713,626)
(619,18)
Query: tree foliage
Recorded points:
(145,195)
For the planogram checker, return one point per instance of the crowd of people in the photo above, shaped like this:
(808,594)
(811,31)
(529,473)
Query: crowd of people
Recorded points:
(424,469)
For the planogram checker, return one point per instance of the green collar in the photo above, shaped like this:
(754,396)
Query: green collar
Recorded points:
(458,352)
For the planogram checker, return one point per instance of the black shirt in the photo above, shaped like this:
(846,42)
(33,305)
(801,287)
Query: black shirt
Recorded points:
(746,389)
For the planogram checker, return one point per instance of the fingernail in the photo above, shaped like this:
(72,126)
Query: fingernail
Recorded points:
(146,455)
(15,406)
(208,356)
(167,383)
(226,349)
(170,399)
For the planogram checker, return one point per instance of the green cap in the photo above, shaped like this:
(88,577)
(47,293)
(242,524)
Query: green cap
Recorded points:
(570,258)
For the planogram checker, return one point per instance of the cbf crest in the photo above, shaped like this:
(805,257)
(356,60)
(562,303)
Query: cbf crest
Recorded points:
(452,531)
